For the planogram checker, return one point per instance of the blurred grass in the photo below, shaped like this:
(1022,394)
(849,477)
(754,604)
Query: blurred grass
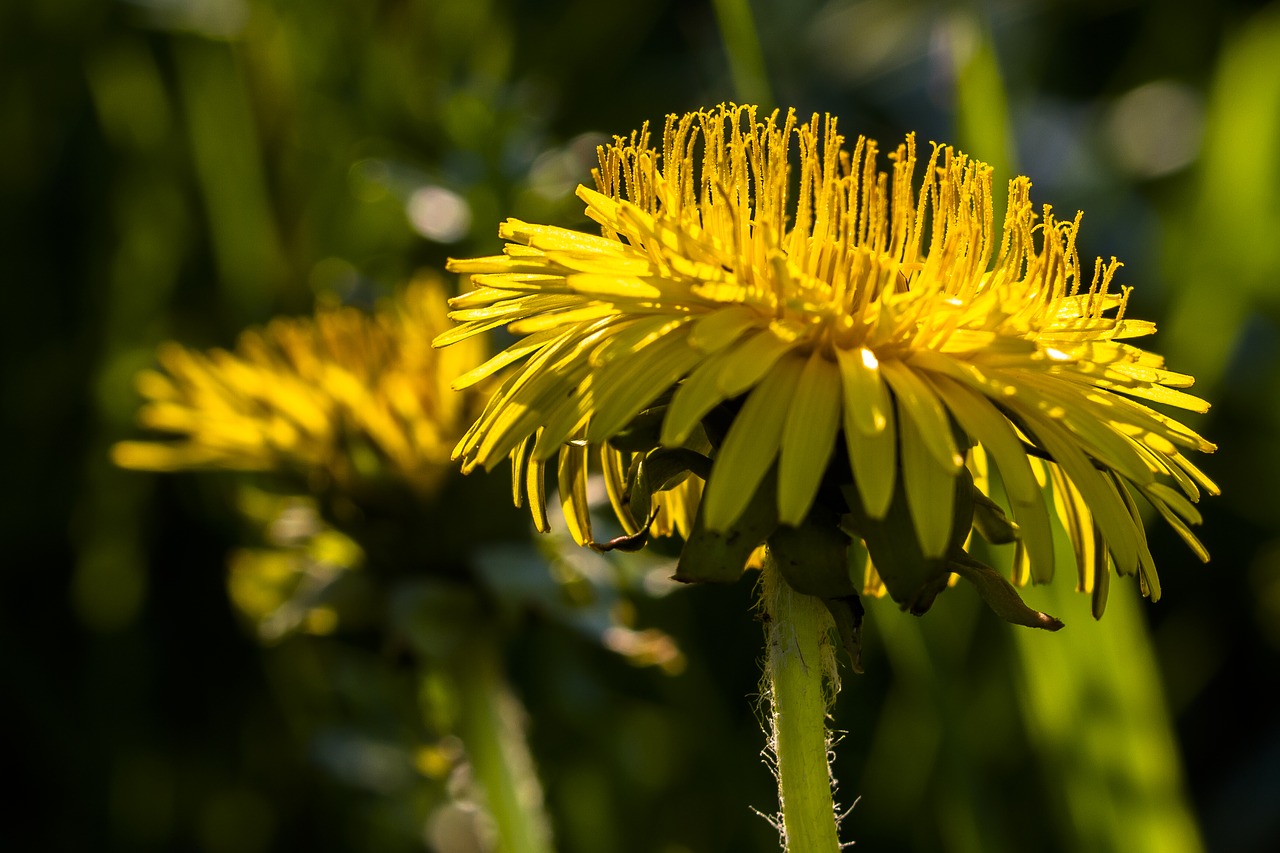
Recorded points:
(1091,694)
(746,56)
(1221,254)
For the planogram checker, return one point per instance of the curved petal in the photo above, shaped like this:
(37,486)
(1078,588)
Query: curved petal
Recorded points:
(808,438)
(869,430)
(986,425)
(751,445)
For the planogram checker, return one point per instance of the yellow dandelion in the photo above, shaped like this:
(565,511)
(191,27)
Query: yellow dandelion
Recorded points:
(770,311)
(335,398)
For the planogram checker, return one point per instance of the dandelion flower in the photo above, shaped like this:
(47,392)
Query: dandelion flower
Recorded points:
(335,398)
(788,321)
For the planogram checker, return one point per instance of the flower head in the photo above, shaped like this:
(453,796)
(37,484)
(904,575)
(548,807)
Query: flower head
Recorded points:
(335,398)
(357,405)
(764,297)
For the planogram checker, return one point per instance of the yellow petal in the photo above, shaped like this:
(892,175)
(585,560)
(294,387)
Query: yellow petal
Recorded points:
(986,425)
(869,430)
(541,388)
(751,359)
(573,492)
(522,306)
(536,490)
(552,238)
(564,317)
(1150,580)
(515,352)
(1077,520)
(1105,505)
(918,403)
(866,399)
(543,401)
(718,329)
(750,446)
(728,373)
(1175,500)
(626,386)
(632,334)
(931,488)
(1089,417)
(1196,474)
(1180,526)
(520,470)
(808,438)
(613,464)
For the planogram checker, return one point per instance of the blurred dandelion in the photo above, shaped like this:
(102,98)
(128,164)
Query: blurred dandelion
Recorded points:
(355,410)
(335,399)
(349,407)
(839,356)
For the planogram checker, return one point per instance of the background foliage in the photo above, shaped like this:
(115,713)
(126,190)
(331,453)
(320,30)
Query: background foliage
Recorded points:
(184,168)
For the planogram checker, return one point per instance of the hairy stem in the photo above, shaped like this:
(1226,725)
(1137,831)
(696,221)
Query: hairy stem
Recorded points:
(802,682)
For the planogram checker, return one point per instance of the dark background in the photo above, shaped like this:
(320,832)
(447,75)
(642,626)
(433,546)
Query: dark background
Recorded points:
(185,168)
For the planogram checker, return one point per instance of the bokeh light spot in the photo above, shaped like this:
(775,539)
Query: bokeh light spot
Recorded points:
(439,214)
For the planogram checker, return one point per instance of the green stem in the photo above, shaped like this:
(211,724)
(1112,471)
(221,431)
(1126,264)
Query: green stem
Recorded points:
(746,59)
(802,683)
(492,730)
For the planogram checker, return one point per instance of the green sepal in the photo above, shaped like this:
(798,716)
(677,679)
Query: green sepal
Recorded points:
(990,521)
(711,557)
(661,469)
(912,579)
(644,431)
(628,543)
(999,594)
(813,559)
(648,474)
(847,613)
